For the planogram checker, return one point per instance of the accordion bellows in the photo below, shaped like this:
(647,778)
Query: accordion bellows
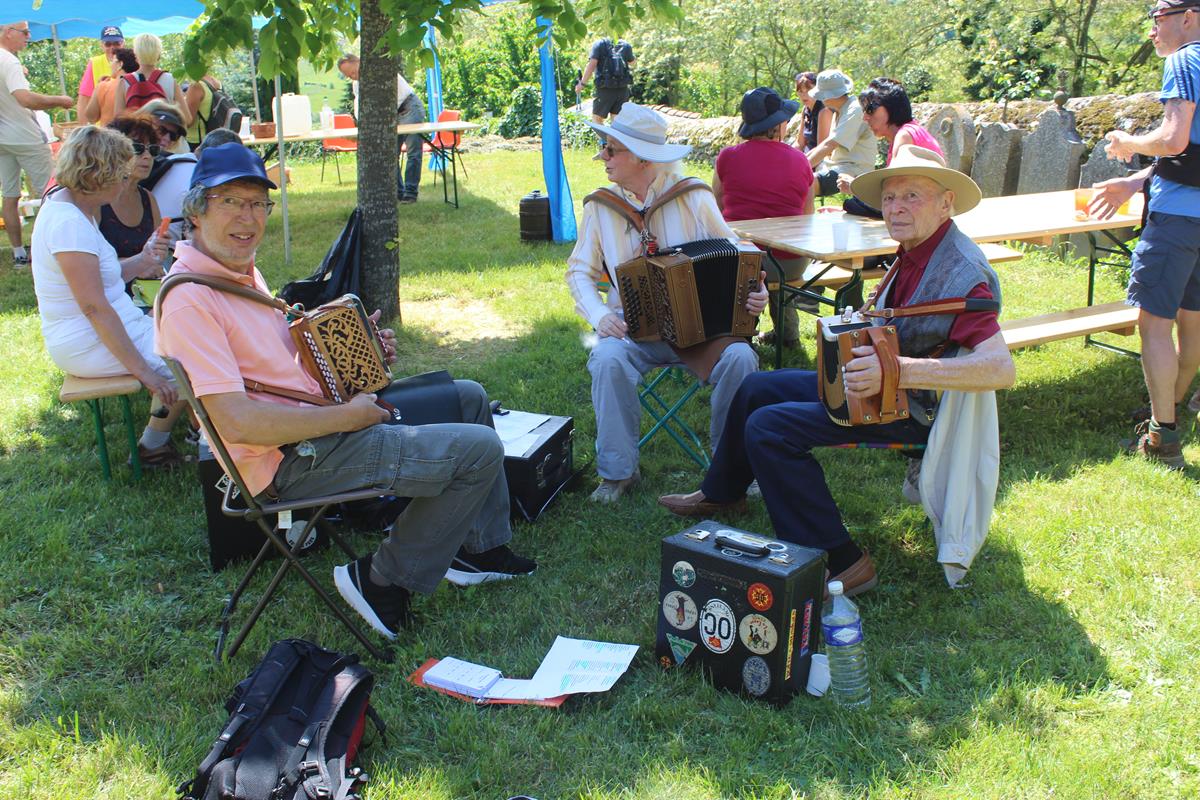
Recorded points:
(689,294)
(340,347)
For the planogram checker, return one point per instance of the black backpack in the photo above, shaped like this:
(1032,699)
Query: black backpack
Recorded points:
(161,166)
(294,729)
(612,71)
(338,274)
(223,113)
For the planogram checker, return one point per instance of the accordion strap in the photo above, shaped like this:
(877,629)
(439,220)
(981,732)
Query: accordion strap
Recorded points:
(233,287)
(949,305)
(639,217)
(889,363)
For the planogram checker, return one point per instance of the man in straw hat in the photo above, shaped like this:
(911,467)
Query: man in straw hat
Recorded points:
(1164,283)
(776,419)
(644,169)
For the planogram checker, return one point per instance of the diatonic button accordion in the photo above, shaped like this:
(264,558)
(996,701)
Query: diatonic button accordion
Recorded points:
(691,293)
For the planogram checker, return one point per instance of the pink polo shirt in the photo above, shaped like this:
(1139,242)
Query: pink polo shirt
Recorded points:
(222,339)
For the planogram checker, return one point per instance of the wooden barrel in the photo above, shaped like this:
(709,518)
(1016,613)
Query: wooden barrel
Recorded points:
(535,217)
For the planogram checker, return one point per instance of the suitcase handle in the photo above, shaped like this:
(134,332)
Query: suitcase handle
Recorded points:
(744,547)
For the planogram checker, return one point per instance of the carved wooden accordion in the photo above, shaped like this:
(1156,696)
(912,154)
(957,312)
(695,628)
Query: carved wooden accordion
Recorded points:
(836,336)
(689,294)
(340,346)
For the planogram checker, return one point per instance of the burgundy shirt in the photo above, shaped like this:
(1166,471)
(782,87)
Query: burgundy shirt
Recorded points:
(970,328)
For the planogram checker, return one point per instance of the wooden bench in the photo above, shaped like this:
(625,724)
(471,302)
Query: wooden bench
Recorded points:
(1111,317)
(92,391)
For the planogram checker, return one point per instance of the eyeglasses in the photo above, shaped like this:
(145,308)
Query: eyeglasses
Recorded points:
(608,151)
(24,31)
(152,149)
(171,133)
(236,205)
(872,106)
(1155,16)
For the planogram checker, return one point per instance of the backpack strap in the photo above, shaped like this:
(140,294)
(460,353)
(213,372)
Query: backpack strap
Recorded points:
(261,689)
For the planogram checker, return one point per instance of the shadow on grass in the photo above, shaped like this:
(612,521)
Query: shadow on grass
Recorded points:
(109,612)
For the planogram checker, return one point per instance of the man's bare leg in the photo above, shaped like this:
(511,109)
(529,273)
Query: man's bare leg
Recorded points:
(12,221)
(1160,364)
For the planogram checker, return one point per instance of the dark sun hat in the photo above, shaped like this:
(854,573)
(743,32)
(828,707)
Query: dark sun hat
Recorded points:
(763,109)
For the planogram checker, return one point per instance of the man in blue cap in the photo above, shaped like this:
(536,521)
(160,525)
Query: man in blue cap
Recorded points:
(457,525)
(99,67)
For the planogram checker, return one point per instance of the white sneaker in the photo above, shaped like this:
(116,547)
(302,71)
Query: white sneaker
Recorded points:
(752,490)
(610,491)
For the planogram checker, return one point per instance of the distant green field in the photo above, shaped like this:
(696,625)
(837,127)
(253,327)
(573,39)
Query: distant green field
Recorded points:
(321,87)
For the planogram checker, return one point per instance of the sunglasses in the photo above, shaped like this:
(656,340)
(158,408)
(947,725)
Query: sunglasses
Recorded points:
(152,149)
(608,151)
(172,133)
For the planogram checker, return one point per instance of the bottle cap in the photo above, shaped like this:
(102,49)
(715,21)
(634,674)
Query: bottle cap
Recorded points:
(835,587)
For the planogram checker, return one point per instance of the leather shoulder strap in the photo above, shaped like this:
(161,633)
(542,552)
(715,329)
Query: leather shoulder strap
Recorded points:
(608,197)
(681,188)
(214,282)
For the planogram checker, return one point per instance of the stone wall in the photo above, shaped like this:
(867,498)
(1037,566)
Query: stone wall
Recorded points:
(1030,139)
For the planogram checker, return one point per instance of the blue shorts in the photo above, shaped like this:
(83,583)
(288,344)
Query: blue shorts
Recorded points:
(1166,266)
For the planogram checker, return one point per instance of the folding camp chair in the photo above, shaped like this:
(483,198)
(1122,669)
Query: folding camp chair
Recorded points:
(666,414)
(239,503)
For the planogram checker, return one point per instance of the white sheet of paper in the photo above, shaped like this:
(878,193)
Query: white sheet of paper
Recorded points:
(520,445)
(581,665)
(516,423)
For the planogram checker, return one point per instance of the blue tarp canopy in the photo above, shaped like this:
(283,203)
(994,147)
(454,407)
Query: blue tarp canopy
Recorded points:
(85,18)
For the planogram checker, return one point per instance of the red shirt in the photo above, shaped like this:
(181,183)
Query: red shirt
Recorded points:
(970,328)
(762,178)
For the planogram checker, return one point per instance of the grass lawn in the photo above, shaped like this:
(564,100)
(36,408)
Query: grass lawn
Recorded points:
(1066,669)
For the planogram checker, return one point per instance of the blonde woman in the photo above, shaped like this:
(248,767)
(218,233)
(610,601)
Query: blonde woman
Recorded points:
(149,82)
(91,327)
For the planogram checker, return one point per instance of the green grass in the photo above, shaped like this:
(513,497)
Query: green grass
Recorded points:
(1065,669)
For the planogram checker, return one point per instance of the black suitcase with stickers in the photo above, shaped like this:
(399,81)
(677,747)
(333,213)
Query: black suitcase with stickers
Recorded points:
(745,608)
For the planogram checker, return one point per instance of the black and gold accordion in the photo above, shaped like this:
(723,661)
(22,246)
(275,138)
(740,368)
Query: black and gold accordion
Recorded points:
(689,294)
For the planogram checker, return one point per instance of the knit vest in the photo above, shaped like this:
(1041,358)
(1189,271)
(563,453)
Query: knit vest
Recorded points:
(956,267)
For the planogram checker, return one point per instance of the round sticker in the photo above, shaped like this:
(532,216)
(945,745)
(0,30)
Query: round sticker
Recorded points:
(683,573)
(758,634)
(760,596)
(718,626)
(756,676)
(680,610)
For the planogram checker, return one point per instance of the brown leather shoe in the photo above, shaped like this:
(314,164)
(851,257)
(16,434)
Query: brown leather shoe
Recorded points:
(856,578)
(695,505)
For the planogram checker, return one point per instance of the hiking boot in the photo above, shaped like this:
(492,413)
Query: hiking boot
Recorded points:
(407,199)
(386,609)
(498,564)
(912,482)
(610,491)
(1157,444)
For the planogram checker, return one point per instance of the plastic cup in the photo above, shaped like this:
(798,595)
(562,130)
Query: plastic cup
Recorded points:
(841,236)
(1082,198)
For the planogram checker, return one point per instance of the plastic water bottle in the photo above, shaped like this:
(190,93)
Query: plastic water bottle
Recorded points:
(841,627)
(326,117)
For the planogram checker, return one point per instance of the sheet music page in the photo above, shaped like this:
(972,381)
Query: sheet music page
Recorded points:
(516,423)
(463,677)
(581,665)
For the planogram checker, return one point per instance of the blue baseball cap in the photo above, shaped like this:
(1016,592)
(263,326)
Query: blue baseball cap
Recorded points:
(111,33)
(229,162)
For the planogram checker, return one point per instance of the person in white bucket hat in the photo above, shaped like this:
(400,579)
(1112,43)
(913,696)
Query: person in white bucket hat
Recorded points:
(850,147)
(644,169)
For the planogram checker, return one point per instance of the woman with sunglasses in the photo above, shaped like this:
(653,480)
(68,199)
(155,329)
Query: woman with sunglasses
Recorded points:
(129,220)
(91,327)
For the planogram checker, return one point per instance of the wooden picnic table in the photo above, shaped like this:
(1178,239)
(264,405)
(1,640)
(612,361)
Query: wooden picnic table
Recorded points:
(846,240)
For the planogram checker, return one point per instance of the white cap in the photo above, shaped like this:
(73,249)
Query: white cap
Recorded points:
(835,587)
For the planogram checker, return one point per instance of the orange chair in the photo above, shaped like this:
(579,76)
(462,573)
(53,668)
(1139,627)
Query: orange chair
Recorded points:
(338,145)
(447,142)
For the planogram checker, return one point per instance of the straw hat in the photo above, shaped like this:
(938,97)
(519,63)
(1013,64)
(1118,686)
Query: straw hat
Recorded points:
(644,132)
(913,160)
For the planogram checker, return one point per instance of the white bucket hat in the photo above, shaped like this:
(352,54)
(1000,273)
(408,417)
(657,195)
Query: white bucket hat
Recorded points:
(913,160)
(831,83)
(644,132)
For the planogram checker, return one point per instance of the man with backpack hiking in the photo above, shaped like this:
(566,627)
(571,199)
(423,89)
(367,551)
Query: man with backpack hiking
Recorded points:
(611,64)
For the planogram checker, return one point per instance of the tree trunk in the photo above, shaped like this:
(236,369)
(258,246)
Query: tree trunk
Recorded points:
(1079,72)
(377,167)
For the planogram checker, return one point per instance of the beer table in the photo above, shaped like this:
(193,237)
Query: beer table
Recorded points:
(428,131)
(846,241)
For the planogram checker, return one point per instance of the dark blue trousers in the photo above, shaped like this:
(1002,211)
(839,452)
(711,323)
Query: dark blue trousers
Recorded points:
(774,422)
